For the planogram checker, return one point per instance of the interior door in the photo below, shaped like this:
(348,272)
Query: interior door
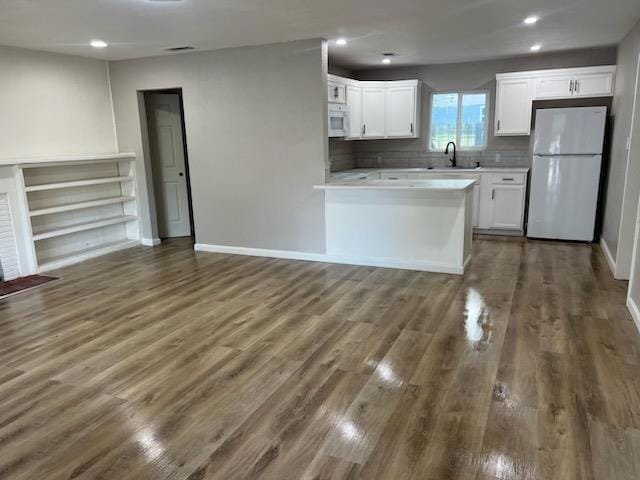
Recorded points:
(168,164)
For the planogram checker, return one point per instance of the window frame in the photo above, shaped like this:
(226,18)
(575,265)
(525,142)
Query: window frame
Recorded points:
(460,93)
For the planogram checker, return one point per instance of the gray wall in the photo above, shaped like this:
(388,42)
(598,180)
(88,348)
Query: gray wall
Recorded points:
(256,133)
(621,203)
(514,151)
(53,105)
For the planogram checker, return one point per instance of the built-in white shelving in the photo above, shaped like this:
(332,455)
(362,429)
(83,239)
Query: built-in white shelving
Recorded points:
(81,227)
(80,207)
(77,183)
(65,260)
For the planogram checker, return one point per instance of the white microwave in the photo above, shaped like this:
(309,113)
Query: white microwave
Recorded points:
(338,120)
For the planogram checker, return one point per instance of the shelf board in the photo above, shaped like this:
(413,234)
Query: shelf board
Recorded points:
(80,227)
(68,160)
(81,205)
(53,263)
(78,183)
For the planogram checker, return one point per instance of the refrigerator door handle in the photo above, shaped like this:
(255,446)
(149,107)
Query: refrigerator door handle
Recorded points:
(571,86)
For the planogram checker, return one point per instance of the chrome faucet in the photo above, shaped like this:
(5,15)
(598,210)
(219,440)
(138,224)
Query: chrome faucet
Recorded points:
(446,152)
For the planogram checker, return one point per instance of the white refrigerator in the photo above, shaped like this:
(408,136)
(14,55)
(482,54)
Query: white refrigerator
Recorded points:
(565,174)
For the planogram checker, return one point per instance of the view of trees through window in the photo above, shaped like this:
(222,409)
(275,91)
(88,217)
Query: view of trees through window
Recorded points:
(459,117)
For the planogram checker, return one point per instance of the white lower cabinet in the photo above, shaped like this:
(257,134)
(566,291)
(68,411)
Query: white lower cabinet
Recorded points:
(498,196)
(507,206)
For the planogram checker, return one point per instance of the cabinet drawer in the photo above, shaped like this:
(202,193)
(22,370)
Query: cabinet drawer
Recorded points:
(508,178)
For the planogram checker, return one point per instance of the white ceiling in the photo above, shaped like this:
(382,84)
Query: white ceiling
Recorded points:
(419,31)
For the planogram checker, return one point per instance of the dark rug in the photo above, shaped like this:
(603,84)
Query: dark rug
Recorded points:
(24,283)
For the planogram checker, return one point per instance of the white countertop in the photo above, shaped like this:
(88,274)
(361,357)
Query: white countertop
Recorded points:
(345,174)
(421,184)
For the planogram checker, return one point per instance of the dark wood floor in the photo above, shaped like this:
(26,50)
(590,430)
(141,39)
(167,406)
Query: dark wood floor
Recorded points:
(159,363)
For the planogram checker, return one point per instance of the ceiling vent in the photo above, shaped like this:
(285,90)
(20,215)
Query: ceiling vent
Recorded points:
(179,49)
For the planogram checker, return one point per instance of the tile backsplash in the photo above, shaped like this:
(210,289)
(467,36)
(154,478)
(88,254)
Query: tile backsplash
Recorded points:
(415,159)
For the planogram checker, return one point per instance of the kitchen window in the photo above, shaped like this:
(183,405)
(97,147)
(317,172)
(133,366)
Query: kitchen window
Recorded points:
(459,117)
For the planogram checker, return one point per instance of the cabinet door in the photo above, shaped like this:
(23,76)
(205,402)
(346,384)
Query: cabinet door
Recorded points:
(475,217)
(373,112)
(508,206)
(513,107)
(593,85)
(401,111)
(554,87)
(354,101)
(335,92)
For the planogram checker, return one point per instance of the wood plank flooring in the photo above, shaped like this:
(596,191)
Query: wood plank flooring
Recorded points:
(161,363)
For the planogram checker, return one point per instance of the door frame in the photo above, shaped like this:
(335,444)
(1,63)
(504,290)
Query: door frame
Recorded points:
(187,172)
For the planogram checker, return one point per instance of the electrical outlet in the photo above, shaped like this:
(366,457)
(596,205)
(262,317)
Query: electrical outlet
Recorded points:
(498,157)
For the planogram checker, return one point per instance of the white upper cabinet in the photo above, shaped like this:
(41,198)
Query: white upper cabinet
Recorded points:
(379,109)
(515,92)
(373,111)
(336,91)
(574,82)
(513,107)
(596,84)
(401,110)
(554,86)
(354,102)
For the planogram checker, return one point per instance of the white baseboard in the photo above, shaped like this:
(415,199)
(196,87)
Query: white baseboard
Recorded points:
(321,257)
(635,312)
(607,254)
(259,252)
(150,242)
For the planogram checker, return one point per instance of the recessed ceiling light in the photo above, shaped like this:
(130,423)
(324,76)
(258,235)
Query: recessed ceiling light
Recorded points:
(536,47)
(341,41)
(386,61)
(98,43)
(531,20)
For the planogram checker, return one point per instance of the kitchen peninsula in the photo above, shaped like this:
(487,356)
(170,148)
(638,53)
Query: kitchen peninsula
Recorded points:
(420,224)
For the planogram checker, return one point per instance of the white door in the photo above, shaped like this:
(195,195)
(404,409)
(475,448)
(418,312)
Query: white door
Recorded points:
(593,85)
(554,87)
(513,107)
(401,111)
(354,101)
(168,164)
(508,203)
(373,112)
